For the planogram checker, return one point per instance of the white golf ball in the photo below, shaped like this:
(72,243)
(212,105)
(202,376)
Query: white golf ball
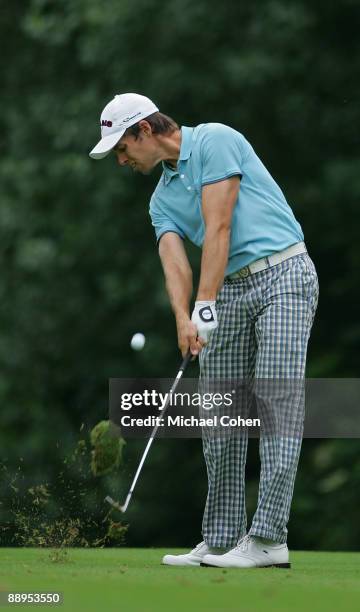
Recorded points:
(137,342)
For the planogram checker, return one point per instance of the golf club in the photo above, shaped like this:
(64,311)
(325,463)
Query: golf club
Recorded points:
(109,499)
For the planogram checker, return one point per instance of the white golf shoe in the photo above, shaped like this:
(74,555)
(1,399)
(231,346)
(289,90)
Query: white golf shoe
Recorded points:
(251,552)
(194,557)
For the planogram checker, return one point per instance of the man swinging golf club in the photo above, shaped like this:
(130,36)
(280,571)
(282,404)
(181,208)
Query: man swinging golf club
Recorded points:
(254,307)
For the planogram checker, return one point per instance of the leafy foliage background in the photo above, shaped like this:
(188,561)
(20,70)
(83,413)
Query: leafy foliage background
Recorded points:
(79,267)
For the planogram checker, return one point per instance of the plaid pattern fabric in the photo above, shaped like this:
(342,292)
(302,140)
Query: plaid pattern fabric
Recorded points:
(264,327)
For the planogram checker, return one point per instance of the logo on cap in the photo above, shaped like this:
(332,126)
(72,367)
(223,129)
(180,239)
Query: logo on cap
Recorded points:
(127,119)
(106,123)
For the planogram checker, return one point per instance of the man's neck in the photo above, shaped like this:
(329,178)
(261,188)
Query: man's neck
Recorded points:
(171,145)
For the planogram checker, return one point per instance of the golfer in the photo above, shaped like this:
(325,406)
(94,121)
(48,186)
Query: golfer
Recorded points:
(254,307)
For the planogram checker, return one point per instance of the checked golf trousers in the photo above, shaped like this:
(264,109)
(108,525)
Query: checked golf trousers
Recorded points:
(264,327)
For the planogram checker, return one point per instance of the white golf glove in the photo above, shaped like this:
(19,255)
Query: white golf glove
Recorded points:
(205,318)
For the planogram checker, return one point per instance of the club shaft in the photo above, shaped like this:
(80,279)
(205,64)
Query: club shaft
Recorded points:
(156,427)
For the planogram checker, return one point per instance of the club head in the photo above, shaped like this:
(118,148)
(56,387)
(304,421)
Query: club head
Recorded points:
(115,504)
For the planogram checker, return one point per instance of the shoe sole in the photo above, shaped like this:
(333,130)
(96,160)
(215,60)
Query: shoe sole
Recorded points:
(181,564)
(280,565)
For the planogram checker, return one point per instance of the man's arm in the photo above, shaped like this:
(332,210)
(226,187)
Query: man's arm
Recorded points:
(218,201)
(177,271)
(178,278)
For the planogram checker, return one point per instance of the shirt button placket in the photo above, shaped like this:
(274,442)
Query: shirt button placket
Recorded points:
(182,176)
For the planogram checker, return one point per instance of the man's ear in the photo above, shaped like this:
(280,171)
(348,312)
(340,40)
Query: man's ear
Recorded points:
(145,127)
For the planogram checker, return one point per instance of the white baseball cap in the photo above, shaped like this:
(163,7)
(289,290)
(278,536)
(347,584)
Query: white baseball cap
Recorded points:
(122,112)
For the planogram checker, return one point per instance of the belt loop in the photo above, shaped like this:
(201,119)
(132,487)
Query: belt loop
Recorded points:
(267,261)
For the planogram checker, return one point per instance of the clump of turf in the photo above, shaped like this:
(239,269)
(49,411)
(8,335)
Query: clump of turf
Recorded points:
(107,446)
(37,518)
(116,532)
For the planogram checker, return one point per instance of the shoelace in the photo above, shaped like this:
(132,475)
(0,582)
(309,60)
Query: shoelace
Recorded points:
(243,544)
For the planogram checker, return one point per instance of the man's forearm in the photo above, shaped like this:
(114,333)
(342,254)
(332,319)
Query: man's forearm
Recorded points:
(178,281)
(178,273)
(213,262)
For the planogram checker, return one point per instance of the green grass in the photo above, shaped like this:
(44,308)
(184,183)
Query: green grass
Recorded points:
(134,581)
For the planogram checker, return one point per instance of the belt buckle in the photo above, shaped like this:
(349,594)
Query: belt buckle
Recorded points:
(244,272)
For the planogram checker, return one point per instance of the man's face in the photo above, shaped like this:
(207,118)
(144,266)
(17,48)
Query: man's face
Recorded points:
(140,153)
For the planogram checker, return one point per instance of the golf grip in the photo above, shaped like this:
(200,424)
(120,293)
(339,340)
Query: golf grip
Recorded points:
(186,361)
(181,371)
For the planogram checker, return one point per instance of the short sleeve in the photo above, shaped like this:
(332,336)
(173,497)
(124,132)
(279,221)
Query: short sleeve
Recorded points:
(221,153)
(162,223)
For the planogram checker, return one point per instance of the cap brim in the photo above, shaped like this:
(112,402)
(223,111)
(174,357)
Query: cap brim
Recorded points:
(105,145)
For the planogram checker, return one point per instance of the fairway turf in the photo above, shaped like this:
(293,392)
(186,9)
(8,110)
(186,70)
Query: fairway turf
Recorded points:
(134,581)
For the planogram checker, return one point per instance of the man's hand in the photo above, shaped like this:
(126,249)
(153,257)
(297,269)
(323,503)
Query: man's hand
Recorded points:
(204,318)
(187,336)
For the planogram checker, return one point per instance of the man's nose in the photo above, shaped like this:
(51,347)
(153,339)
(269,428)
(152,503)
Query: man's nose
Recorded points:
(122,159)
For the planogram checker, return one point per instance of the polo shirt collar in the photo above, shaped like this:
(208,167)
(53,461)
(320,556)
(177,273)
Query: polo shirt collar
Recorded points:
(185,152)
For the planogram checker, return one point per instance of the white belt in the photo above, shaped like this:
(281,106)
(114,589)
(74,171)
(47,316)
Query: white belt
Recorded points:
(268,262)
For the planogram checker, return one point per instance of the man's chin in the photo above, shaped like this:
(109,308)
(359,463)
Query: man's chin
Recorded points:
(144,171)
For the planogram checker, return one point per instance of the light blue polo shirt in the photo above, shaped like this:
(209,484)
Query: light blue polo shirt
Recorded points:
(262,223)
